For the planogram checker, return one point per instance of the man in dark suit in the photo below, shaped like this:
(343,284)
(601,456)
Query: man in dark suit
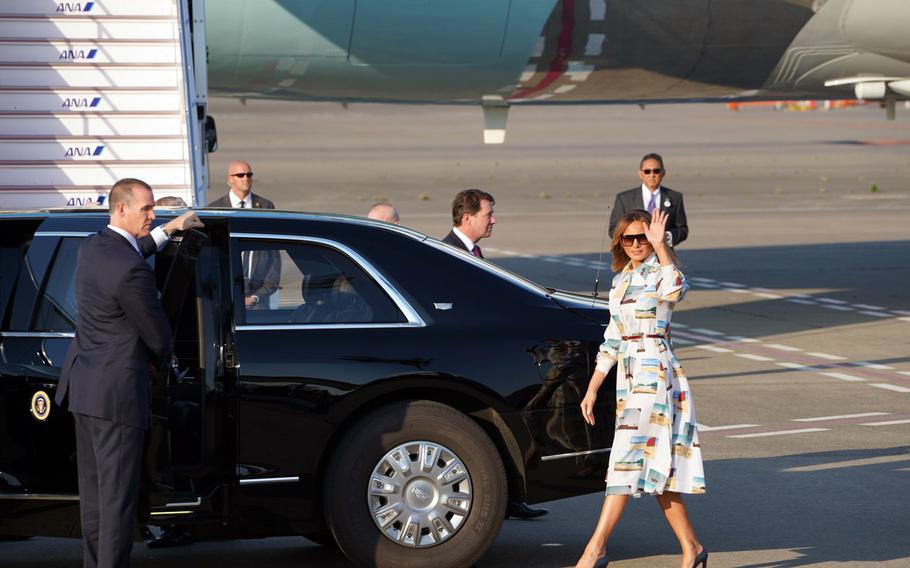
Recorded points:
(650,195)
(261,269)
(121,334)
(472,217)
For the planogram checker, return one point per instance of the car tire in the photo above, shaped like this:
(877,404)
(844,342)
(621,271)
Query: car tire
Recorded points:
(351,471)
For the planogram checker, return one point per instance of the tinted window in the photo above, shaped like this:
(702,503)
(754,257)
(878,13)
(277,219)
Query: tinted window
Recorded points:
(28,283)
(57,304)
(301,283)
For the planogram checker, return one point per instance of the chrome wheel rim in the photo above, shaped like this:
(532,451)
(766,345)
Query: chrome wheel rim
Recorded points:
(420,494)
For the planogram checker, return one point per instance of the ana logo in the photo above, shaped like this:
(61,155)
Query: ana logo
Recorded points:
(83,151)
(74,7)
(77,54)
(86,201)
(81,102)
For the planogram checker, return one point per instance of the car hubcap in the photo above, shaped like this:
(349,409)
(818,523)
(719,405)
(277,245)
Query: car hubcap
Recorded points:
(420,494)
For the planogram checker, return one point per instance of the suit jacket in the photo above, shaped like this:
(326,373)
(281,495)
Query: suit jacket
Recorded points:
(259,202)
(453,240)
(121,330)
(630,200)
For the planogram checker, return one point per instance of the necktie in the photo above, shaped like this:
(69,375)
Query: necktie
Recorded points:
(243,203)
(476,252)
(651,203)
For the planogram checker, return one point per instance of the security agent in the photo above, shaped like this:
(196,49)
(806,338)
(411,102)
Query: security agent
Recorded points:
(650,195)
(122,331)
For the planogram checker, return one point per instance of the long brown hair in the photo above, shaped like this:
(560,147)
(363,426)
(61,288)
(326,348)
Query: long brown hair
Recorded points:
(620,258)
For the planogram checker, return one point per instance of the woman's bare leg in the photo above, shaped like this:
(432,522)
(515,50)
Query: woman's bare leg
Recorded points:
(610,514)
(674,509)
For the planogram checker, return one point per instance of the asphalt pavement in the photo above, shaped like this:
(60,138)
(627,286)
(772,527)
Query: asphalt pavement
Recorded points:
(795,334)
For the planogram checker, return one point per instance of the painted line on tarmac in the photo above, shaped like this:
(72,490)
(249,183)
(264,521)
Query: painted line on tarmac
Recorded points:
(779,433)
(733,287)
(886,423)
(890,387)
(756,351)
(841,417)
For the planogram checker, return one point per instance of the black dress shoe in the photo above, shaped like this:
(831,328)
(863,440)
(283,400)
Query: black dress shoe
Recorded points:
(519,510)
(171,536)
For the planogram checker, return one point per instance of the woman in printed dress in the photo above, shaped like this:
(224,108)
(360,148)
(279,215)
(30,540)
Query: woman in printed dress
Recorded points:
(655,450)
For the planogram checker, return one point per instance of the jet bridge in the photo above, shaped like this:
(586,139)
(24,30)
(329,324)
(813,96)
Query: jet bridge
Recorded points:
(92,92)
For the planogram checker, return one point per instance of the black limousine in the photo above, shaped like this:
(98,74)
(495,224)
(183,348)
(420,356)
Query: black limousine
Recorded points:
(383,391)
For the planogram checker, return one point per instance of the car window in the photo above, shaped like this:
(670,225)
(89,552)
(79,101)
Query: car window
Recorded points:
(304,283)
(57,305)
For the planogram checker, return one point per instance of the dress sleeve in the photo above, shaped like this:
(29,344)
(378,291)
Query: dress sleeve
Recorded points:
(609,349)
(673,284)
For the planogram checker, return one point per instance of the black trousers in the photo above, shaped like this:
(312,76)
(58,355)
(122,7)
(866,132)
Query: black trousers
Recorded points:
(109,457)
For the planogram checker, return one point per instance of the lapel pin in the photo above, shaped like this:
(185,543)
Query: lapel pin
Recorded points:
(666,202)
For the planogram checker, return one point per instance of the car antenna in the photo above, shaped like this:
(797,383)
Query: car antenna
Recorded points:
(603,245)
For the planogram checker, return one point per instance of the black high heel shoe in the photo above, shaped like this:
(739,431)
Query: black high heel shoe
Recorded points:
(701,560)
(602,562)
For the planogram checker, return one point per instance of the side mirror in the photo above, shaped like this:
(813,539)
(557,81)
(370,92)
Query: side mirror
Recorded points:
(211,135)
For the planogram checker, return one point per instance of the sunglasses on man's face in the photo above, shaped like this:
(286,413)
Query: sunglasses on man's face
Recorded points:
(629,240)
(656,171)
(243,175)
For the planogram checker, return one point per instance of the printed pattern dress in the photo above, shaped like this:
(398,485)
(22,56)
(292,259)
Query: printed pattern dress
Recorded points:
(656,447)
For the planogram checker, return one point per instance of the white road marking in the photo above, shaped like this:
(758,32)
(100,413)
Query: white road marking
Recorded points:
(736,290)
(678,341)
(564,89)
(886,386)
(703,331)
(714,348)
(799,301)
(706,285)
(826,356)
(840,417)
(843,377)
(789,365)
(680,325)
(704,428)
(831,301)
(876,314)
(868,307)
(779,433)
(759,289)
(904,319)
(543,96)
(595,44)
(869,365)
(886,423)
(598,9)
(527,74)
(733,284)
(742,339)
(754,357)
(905,373)
(767,295)
(780,347)
(702,279)
(838,308)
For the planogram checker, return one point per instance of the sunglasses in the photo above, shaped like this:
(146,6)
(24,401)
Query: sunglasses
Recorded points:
(656,171)
(629,240)
(243,175)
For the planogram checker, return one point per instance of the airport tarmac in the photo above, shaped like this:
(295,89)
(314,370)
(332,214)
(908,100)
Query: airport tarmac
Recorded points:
(795,334)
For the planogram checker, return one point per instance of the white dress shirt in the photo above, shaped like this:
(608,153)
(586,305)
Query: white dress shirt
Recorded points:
(646,198)
(235,201)
(468,243)
(157,233)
